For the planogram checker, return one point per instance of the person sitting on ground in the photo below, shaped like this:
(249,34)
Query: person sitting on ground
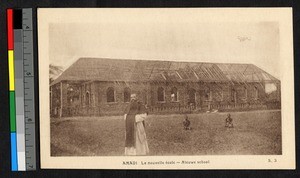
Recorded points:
(228,121)
(186,123)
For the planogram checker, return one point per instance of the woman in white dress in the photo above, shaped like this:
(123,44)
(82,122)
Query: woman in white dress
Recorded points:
(141,140)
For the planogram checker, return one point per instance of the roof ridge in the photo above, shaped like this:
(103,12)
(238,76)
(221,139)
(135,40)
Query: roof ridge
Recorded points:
(157,60)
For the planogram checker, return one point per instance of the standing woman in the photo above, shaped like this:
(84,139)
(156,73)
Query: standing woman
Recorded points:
(141,144)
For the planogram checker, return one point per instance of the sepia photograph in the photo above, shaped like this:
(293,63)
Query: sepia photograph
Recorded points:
(166,88)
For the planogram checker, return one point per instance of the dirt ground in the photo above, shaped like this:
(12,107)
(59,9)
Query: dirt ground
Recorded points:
(254,133)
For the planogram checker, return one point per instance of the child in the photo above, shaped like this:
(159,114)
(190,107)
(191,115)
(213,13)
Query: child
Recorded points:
(186,123)
(228,121)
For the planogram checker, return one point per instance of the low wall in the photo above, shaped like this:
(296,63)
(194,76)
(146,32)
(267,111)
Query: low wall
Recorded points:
(175,109)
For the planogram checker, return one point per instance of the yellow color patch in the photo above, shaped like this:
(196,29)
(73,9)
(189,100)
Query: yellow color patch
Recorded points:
(11,69)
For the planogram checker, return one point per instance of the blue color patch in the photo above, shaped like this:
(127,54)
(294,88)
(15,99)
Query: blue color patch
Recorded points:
(14,154)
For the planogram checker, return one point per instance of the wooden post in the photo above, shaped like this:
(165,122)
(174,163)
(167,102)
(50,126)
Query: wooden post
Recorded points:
(61,100)
(51,107)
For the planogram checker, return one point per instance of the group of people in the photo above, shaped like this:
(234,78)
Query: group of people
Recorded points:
(187,122)
(135,135)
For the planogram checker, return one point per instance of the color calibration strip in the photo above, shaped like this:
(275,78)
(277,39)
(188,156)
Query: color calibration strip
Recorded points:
(12,103)
(21,89)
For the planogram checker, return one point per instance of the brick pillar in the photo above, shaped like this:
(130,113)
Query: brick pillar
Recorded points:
(80,95)
(63,99)
(278,91)
(92,99)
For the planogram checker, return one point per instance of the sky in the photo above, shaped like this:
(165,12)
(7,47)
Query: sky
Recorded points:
(166,39)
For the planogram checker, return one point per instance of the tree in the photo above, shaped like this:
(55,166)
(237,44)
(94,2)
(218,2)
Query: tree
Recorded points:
(54,71)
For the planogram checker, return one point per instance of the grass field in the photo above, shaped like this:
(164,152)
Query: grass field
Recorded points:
(254,133)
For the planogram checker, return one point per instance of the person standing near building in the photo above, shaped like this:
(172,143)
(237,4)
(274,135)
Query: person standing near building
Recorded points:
(228,121)
(141,140)
(135,136)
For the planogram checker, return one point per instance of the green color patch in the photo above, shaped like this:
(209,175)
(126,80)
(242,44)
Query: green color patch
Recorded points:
(12,111)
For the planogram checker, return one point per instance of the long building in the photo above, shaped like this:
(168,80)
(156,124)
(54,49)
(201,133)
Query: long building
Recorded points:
(99,86)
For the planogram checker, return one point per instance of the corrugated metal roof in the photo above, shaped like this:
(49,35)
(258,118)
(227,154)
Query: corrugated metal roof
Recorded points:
(103,69)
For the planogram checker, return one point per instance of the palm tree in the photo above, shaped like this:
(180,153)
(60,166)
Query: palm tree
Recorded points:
(54,71)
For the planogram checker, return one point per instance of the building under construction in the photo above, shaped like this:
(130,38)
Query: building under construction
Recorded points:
(97,87)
